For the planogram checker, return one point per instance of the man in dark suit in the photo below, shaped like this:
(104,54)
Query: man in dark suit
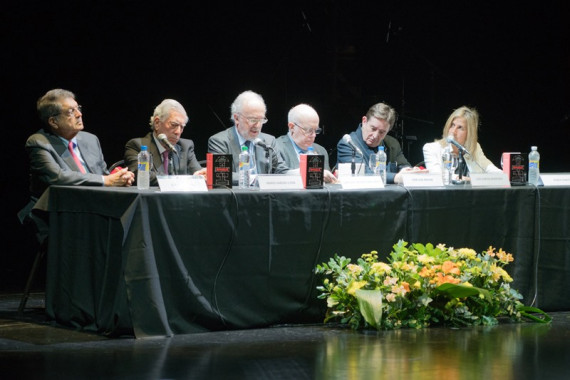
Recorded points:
(303,128)
(172,156)
(248,115)
(372,133)
(61,153)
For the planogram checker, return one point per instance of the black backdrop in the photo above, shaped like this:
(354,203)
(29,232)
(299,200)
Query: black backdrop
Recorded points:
(510,60)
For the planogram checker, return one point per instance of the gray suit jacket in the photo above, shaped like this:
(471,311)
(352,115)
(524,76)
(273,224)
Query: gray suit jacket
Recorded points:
(289,154)
(184,163)
(227,142)
(52,164)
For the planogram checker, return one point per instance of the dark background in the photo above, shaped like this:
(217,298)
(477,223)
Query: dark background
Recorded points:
(510,60)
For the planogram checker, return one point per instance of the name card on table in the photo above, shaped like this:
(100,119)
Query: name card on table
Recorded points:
(345,169)
(422,179)
(185,183)
(361,182)
(558,179)
(490,180)
(279,182)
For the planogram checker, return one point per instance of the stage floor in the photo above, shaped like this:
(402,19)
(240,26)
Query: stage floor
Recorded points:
(32,348)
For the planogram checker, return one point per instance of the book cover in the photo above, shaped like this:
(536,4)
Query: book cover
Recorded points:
(514,166)
(219,170)
(312,168)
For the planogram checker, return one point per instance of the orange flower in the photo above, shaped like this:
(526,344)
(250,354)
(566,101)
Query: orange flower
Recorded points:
(441,279)
(450,267)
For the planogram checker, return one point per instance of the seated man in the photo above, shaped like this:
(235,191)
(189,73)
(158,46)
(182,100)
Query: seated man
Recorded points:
(169,119)
(370,134)
(248,115)
(61,153)
(303,124)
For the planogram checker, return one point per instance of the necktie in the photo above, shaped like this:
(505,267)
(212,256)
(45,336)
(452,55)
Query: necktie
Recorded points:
(75,158)
(252,164)
(165,161)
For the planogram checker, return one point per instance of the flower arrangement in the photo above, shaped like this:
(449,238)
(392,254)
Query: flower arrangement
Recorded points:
(422,285)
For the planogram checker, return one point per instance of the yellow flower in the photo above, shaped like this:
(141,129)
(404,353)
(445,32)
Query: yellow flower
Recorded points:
(354,269)
(380,268)
(467,253)
(425,259)
(354,286)
(417,285)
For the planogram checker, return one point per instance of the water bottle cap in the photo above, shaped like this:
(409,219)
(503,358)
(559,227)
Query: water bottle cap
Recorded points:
(143,147)
(244,148)
(381,147)
(533,148)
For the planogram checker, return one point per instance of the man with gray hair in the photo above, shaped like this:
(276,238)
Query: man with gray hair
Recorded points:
(171,154)
(303,128)
(62,153)
(248,116)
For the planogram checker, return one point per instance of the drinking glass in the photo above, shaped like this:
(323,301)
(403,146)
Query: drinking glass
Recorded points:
(374,164)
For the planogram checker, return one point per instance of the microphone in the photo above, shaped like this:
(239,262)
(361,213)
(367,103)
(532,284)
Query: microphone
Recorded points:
(348,140)
(261,143)
(461,148)
(163,139)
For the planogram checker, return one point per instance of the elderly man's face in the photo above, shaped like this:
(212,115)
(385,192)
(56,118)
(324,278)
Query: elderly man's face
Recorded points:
(69,121)
(172,127)
(305,131)
(251,119)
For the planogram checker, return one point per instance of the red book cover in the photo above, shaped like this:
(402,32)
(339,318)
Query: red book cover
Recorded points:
(219,170)
(312,168)
(514,166)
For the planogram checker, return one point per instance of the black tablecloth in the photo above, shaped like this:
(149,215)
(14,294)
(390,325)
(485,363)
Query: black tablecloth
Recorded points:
(159,264)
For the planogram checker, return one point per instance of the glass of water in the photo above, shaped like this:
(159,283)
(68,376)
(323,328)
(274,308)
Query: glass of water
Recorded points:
(374,164)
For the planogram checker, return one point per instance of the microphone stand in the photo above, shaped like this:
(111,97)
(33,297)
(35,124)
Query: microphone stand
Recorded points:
(269,161)
(170,163)
(460,160)
(353,162)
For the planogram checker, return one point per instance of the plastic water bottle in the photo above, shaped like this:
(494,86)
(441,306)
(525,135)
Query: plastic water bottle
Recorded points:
(143,171)
(533,166)
(244,161)
(381,163)
(311,150)
(446,165)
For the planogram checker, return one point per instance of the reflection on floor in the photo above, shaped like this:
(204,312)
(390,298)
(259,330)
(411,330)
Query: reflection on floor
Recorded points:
(30,347)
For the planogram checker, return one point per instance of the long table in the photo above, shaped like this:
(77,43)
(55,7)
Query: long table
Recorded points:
(123,261)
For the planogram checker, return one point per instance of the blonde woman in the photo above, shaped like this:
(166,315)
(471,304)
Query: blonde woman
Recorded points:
(462,125)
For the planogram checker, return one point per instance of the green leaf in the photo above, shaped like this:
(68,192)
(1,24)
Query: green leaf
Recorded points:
(370,305)
(462,291)
(526,310)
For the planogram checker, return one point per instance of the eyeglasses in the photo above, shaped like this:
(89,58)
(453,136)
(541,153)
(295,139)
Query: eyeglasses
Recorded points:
(253,120)
(309,131)
(72,111)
